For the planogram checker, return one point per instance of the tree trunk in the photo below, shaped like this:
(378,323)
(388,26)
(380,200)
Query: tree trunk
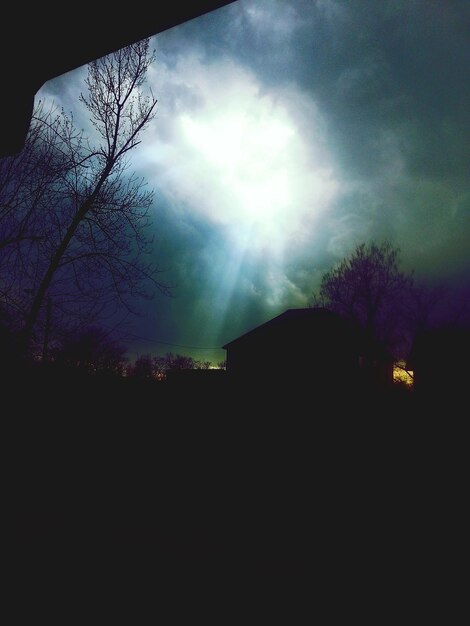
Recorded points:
(32,316)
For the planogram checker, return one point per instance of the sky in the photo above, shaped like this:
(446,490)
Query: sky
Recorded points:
(287,132)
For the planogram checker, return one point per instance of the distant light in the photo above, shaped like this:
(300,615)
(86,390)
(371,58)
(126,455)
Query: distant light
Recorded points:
(402,375)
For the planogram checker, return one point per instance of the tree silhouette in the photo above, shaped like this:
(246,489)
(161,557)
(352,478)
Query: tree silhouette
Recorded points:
(30,197)
(143,368)
(92,350)
(156,367)
(369,288)
(79,234)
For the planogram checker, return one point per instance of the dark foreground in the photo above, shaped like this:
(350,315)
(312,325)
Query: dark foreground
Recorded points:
(344,497)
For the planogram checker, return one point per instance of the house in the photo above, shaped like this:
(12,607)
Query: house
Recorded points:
(440,361)
(308,346)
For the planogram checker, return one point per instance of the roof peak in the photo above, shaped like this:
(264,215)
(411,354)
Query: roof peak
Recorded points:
(299,312)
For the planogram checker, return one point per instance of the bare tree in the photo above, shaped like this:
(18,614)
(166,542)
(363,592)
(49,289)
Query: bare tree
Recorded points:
(157,367)
(91,239)
(143,368)
(439,306)
(200,364)
(179,362)
(28,196)
(369,288)
(93,351)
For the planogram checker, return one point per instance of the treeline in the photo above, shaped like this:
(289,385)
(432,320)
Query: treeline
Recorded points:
(93,351)
(150,367)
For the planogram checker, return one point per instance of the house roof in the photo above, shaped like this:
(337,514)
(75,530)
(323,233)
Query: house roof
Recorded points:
(325,321)
(288,318)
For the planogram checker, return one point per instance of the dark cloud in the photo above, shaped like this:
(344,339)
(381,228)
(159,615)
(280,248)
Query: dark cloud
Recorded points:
(369,103)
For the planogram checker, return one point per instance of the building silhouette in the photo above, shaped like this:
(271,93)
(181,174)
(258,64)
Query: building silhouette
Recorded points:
(308,348)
